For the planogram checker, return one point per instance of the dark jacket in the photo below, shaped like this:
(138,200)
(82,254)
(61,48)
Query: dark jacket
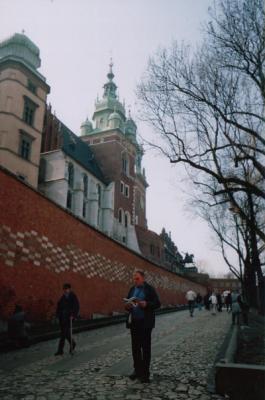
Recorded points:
(17,325)
(153,303)
(67,307)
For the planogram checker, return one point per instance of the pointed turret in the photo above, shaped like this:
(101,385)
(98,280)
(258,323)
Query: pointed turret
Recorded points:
(109,104)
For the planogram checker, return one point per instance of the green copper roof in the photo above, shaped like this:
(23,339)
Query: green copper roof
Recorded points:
(80,151)
(21,48)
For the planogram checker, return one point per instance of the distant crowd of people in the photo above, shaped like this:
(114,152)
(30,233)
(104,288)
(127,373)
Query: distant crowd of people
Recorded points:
(214,301)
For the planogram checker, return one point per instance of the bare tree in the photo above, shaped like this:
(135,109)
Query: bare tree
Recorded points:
(207,110)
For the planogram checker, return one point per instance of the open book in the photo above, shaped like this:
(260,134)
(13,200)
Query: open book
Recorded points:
(132,300)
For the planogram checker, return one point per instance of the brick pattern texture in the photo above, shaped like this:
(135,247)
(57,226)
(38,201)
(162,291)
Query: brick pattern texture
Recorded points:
(42,246)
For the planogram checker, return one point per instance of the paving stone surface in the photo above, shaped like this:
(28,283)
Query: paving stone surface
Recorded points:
(183,352)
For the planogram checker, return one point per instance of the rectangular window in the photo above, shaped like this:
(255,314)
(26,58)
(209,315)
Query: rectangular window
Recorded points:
(126,191)
(25,146)
(29,111)
(84,209)
(69,200)
(122,187)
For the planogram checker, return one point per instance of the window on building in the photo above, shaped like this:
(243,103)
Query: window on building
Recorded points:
(32,87)
(152,249)
(125,164)
(29,111)
(69,201)
(122,187)
(25,145)
(85,185)
(126,192)
(71,174)
(120,216)
(99,203)
(99,195)
(126,219)
(84,209)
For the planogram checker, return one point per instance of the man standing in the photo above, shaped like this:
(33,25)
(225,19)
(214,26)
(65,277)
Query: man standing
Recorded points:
(141,321)
(67,310)
(191,297)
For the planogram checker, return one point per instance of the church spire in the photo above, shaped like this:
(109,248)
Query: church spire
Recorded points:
(110,87)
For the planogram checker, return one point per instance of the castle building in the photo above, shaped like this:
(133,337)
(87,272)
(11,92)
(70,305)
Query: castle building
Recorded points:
(113,140)
(23,93)
(96,175)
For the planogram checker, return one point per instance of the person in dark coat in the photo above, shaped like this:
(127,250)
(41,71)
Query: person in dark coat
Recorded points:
(228,302)
(141,321)
(67,309)
(219,302)
(207,301)
(18,327)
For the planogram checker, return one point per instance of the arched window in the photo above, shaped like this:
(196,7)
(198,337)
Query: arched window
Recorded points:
(85,185)
(71,174)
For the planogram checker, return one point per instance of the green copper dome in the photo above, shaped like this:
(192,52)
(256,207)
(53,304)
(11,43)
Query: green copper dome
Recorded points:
(86,127)
(21,48)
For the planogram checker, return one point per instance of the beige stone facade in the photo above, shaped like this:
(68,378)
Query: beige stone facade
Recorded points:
(22,106)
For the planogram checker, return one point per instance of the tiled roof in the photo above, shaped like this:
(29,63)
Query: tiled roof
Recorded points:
(80,151)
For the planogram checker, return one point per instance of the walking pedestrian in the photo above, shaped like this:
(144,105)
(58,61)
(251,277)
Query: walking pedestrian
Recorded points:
(235,307)
(67,311)
(141,320)
(191,297)
(228,302)
(213,301)
(199,301)
(206,301)
(219,302)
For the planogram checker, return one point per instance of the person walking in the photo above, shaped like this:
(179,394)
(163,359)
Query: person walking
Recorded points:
(67,311)
(235,307)
(219,302)
(199,301)
(213,300)
(206,301)
(191,297)
(228,302)
(141,306)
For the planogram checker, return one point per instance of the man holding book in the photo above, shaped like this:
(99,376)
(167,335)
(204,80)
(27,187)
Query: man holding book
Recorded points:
(141,303)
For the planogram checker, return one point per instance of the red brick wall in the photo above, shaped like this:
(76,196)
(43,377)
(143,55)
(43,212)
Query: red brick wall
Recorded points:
(42,246)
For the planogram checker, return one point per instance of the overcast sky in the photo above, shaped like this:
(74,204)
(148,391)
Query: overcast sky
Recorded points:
(76,40)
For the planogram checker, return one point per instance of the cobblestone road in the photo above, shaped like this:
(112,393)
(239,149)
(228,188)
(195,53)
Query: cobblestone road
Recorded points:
(183,352)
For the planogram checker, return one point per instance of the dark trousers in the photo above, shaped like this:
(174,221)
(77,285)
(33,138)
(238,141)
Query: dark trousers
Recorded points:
(141,348)
(191,306)
(65,334)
